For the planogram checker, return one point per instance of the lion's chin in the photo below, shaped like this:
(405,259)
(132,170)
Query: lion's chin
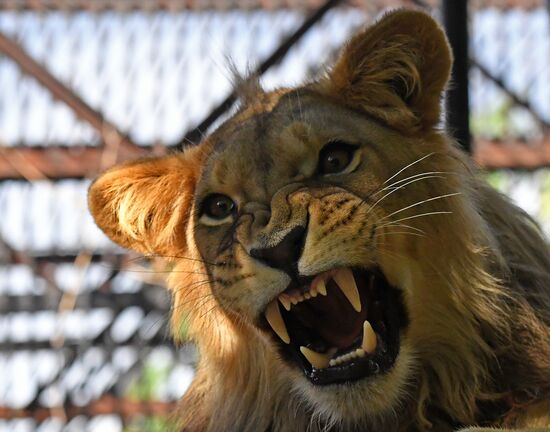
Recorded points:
(370,402)
(338,327)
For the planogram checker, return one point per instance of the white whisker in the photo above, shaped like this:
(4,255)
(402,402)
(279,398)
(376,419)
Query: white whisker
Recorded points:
(408,166)
(398,232)
(396,189)
(428,173)
(404,226)
(417,216)
(421,202)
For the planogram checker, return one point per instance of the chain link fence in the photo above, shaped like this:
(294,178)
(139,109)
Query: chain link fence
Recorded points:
(84,339)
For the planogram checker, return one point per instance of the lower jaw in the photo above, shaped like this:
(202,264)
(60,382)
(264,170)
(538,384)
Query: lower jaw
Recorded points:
(369,367)
(363,368)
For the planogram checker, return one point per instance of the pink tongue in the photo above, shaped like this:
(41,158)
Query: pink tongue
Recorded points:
(332,317)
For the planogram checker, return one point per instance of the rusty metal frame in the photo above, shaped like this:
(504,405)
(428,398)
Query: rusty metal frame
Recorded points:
(107,130)
(56,163)
(108,404)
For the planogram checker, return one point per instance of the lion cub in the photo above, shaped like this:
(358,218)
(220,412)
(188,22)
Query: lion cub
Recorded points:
(337,260)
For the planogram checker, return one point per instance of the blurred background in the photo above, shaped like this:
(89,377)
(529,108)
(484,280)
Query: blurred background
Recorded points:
(84,341)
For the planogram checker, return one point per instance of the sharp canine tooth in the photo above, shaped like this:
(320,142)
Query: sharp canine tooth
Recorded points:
(317,360)
(369,338)
(275,320)
(345,280)
(285,301)
(322,288)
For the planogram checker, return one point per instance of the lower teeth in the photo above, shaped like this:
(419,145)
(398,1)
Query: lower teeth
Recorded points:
(358,353)
(321,360)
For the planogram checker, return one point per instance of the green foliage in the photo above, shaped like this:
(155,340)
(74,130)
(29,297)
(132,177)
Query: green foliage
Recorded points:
(544,211)
(146,387)
(151,424)
(495,124)
(498,179)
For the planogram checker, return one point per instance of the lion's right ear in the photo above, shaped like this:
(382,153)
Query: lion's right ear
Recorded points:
(144,205)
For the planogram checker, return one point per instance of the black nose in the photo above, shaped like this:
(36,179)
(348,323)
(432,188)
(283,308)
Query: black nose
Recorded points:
(285,254)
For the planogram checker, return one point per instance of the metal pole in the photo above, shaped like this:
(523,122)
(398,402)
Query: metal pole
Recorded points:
(455,20)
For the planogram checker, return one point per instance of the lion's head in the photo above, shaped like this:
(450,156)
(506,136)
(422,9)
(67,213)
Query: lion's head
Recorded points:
(332,252)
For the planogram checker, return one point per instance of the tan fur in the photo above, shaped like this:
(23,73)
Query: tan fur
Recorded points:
(474,269)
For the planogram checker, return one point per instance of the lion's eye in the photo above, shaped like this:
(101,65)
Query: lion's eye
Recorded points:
(216,208)
(335,157)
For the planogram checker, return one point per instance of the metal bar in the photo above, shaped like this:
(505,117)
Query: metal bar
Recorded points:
(143,5)
(54,257)
(195,135)
(106,130)
(54,163)
(455,21)
(160,339)
(518,100)
(97,299)
(80,162)
(107,404)
(179,5)
(512,154)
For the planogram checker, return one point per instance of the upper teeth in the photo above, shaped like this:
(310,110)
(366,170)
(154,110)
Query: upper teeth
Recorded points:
(290,299)
(343,278)
(275,320)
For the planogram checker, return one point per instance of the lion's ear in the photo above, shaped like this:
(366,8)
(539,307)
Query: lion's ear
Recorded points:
(144,205)
(395,70)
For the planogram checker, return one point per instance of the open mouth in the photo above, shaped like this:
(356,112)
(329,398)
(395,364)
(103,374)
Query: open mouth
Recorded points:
(339,326)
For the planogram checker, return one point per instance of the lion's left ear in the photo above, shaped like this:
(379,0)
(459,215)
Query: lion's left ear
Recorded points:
(395,70)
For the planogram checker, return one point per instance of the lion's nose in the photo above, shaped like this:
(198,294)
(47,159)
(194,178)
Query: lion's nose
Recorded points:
(283,256)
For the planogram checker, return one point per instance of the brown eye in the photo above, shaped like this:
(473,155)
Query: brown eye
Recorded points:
(335,157)
(218,206)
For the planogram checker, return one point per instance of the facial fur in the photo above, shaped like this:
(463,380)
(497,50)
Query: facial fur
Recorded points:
(347,175)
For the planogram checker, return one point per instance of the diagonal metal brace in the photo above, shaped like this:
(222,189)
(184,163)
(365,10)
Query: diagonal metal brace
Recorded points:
(107,130)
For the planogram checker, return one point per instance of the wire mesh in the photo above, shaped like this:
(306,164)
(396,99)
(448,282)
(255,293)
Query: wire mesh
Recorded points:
(84,342)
